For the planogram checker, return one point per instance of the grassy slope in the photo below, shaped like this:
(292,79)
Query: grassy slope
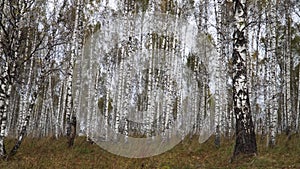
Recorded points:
(54,154)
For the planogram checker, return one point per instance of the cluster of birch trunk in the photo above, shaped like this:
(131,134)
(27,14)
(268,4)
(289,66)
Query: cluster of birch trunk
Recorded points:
(42,41)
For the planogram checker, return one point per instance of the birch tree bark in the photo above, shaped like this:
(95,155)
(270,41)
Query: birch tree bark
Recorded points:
(290,78)
(11,16)
(74,51)
(4,97)
(25,115)
(218,107)
(245,135)
(273,75)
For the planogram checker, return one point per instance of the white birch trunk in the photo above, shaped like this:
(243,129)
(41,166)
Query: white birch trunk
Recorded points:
(74,53)
(89,100)
(288,89)
(8,71)
(63,108)
(218,85)
(95,105)
(4,98)
(58,114)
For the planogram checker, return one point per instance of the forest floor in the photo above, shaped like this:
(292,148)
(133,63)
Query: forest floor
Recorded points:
(189,154)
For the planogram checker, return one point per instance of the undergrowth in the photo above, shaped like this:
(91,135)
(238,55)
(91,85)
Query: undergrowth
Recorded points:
(189,154)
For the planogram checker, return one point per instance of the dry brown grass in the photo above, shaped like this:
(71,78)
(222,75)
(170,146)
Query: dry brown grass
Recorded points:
(189,154)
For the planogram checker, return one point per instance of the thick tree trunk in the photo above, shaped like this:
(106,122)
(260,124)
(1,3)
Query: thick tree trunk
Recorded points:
(245,135)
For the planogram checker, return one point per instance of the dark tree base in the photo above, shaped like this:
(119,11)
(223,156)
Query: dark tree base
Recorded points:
(72,135)
(245,144)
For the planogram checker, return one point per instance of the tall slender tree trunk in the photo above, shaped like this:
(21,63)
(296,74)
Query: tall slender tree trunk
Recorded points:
(245,135)
(287,78)
(4,98)
(25,114)
(218,111)
(75,45)
(273,54)
(11,32)
(298,104)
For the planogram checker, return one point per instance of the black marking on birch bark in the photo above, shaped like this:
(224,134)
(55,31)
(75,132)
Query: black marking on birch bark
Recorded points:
(245,136)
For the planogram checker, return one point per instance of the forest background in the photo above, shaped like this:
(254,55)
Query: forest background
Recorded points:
(43,41)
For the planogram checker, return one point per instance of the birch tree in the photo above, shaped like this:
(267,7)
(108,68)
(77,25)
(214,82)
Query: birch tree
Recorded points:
(11,23)
(270,107)
(245,135)
(75,51)
(26,45)
(32,102)
(218,106)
